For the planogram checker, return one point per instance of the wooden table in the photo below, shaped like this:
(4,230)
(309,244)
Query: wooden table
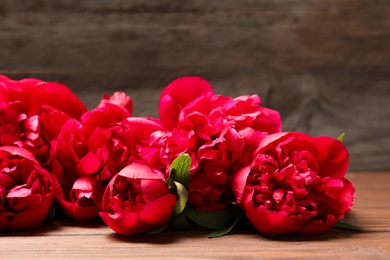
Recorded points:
(66,239)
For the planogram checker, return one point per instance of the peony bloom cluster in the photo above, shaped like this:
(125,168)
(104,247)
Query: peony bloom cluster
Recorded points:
(215,130)
(90,151)
(206,157)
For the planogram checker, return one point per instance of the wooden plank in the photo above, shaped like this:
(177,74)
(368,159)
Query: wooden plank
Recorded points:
(66,239)
(325,65)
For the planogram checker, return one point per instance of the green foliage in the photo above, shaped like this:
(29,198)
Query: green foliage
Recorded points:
(180,169)
(212,220)
(341,137)
(347,226)
(182,197)
(226,230)
(180,222)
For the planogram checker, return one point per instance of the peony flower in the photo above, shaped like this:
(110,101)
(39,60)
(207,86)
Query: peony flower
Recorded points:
(204,195)
(252,122)
(172,100)
(163,147)
(89,153)
(205,116)
(32,113)
(295,184)
(220,134)
(209,189)
(137,200)
(26,190)
(247,113)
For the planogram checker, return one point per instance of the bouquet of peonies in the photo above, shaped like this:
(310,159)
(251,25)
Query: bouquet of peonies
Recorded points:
(209,161)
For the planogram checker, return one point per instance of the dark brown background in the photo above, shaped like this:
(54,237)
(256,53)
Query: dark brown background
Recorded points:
(325,65)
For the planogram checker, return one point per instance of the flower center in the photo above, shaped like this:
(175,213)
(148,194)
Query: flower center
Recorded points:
(285,184)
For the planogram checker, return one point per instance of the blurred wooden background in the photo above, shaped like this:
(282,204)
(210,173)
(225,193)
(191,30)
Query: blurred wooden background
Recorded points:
(325,65)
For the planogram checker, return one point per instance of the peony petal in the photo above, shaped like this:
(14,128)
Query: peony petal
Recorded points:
(53,121)
(139,171)
(172,99)
(20,152)
(317,227)
(144,126)
(278,195)
(192,86)
(153,189)
(76,212)
(269,121)
(128,224)
(250,135)
(55,95)
(118,98)
(239,182)
(89,164)
(333,157)
(168,112)
(33,217)
(158,212)
(270,222)
(332,187)
(270,139)
(19,192)
(84,184)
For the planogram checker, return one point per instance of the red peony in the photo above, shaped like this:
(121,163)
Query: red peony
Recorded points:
(137,200)
(107,162)
(177,95)
(295,184)
(89,153)
(220,134)
(26,190)
(32,113)
(209,189)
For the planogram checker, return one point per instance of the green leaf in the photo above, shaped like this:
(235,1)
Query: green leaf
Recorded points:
(50,216)
(347,226)
(341,137)
(182,197)
(224,231)
(180,168)
(157,231)
(170,179)
(211,220)
(180,222)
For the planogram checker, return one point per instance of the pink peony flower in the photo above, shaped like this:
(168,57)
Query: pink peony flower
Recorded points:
(26,190)
(137,200)
(32,113)
(247,113)
(89,153)
(295,184)
(177,95)
(218,132)
(209,189)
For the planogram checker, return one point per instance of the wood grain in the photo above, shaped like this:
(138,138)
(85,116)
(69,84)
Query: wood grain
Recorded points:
(66,239)
(325,65)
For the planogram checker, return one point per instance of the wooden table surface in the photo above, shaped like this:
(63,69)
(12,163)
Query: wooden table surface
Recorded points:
(66,239)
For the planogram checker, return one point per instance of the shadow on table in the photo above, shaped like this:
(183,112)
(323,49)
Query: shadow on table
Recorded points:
(333,234)
(54,224)
(60,222)
(171,236)
(165,237)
